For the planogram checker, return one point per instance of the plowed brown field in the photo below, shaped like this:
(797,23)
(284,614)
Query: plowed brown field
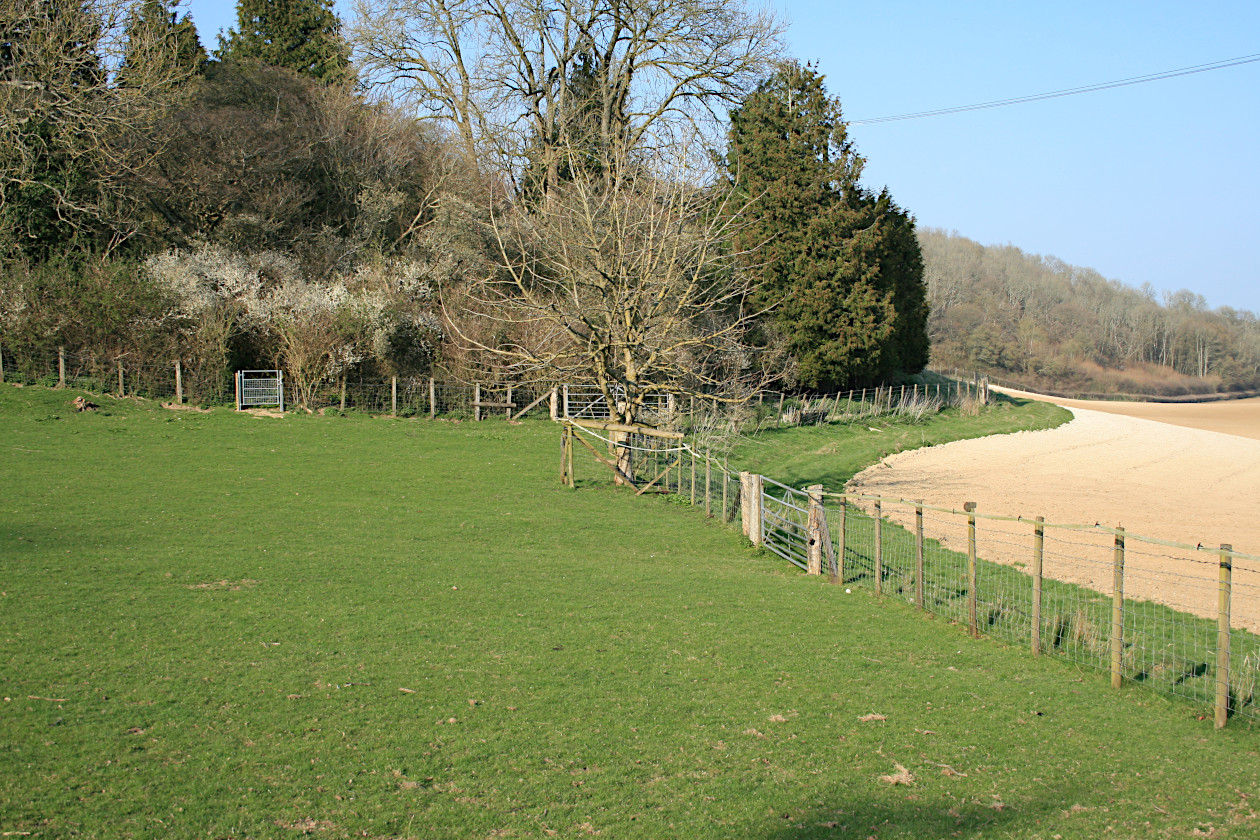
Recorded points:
(1183,473)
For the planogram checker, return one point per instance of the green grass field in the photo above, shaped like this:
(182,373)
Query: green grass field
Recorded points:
(831,454)
(217,625)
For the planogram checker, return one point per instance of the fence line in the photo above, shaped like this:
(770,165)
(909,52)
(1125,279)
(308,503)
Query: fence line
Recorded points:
(1181,619)
(1177,617)
(1183,622)
(181,381)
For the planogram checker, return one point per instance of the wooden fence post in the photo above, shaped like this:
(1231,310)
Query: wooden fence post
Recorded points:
(393,396)
(179,383)
(726,480)
(708,481)
(973,597)
(61,367)
(693,473)
(566,400)
(815,528)
(122,391)
(477,401)
(918,556)
(1222,635)
(745,503)
(566,456)
(554,404)
(432,398)
(879,548)
(840,539)
(508,410)
(572,471)
(1117,611)
(750,506)
(778,418)
(343,392)
(1039,550)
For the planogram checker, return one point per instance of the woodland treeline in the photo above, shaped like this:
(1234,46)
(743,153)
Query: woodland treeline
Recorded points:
(529,190)
(1041,322)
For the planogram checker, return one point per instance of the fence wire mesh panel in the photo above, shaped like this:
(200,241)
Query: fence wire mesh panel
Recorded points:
(773,410)
(1057,595)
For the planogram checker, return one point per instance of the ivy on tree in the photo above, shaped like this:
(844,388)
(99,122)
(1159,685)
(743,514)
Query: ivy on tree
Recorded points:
(840,263)
(301,35)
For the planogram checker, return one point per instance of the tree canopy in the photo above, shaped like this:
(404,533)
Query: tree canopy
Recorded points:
(840,262)
(301,35)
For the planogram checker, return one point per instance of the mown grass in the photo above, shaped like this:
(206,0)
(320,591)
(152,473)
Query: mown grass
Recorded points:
(830,454)
(209,621)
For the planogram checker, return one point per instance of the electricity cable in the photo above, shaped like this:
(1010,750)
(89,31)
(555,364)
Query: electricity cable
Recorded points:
(1037,97)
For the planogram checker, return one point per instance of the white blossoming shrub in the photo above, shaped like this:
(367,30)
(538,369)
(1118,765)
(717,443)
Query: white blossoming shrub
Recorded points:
(211,275)
(377,317)
(322,329)
(12,306)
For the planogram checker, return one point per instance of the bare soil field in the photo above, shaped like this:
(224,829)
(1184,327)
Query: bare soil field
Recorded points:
(1230,417)
(1178,478)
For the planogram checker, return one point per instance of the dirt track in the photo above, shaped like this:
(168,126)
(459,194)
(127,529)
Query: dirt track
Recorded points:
(1114,464)
(1231,417)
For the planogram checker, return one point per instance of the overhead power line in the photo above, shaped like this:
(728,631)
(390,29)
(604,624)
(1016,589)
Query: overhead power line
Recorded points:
(1055,94)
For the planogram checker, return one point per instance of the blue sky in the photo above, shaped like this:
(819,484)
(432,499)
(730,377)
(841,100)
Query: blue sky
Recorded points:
(1155,183)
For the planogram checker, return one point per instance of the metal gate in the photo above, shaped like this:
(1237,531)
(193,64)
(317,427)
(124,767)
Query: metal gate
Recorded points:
(587,402)
(784,521)
(259,388)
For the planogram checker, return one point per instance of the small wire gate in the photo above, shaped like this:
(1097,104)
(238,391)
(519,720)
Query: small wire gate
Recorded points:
(586,402)
(256,388)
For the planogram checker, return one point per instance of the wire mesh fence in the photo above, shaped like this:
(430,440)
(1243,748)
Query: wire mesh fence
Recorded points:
(208,382)
(1180,619)
(776,410)
(185,381)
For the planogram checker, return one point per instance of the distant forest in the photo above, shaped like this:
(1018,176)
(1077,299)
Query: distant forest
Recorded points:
(1040,322)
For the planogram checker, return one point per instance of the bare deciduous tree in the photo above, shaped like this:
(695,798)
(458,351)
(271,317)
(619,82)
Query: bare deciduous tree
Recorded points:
(68,131)
(501,72)
(628,284)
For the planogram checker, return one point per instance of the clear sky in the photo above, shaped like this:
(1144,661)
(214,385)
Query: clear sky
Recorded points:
(1157,182)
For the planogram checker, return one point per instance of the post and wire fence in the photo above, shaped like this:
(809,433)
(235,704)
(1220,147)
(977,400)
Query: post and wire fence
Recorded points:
(1177,618)
(209,383)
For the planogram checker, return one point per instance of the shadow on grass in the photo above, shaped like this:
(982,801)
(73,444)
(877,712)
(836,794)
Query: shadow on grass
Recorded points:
(927,816)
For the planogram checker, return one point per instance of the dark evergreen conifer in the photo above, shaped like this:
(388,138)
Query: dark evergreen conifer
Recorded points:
(841,263)
(300,35)
(158,42)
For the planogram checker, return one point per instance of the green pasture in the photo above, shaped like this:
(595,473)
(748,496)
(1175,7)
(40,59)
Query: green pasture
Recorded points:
(220,625)
(832,453)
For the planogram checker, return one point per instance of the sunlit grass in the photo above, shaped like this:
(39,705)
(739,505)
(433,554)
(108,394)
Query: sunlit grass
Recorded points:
(217,625)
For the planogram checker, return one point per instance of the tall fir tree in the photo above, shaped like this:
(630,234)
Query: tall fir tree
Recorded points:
(840,263)
(159,42)
(301,35)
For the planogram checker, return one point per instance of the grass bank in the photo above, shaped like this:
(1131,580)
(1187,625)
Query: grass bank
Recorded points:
(218,625)
(830,454)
